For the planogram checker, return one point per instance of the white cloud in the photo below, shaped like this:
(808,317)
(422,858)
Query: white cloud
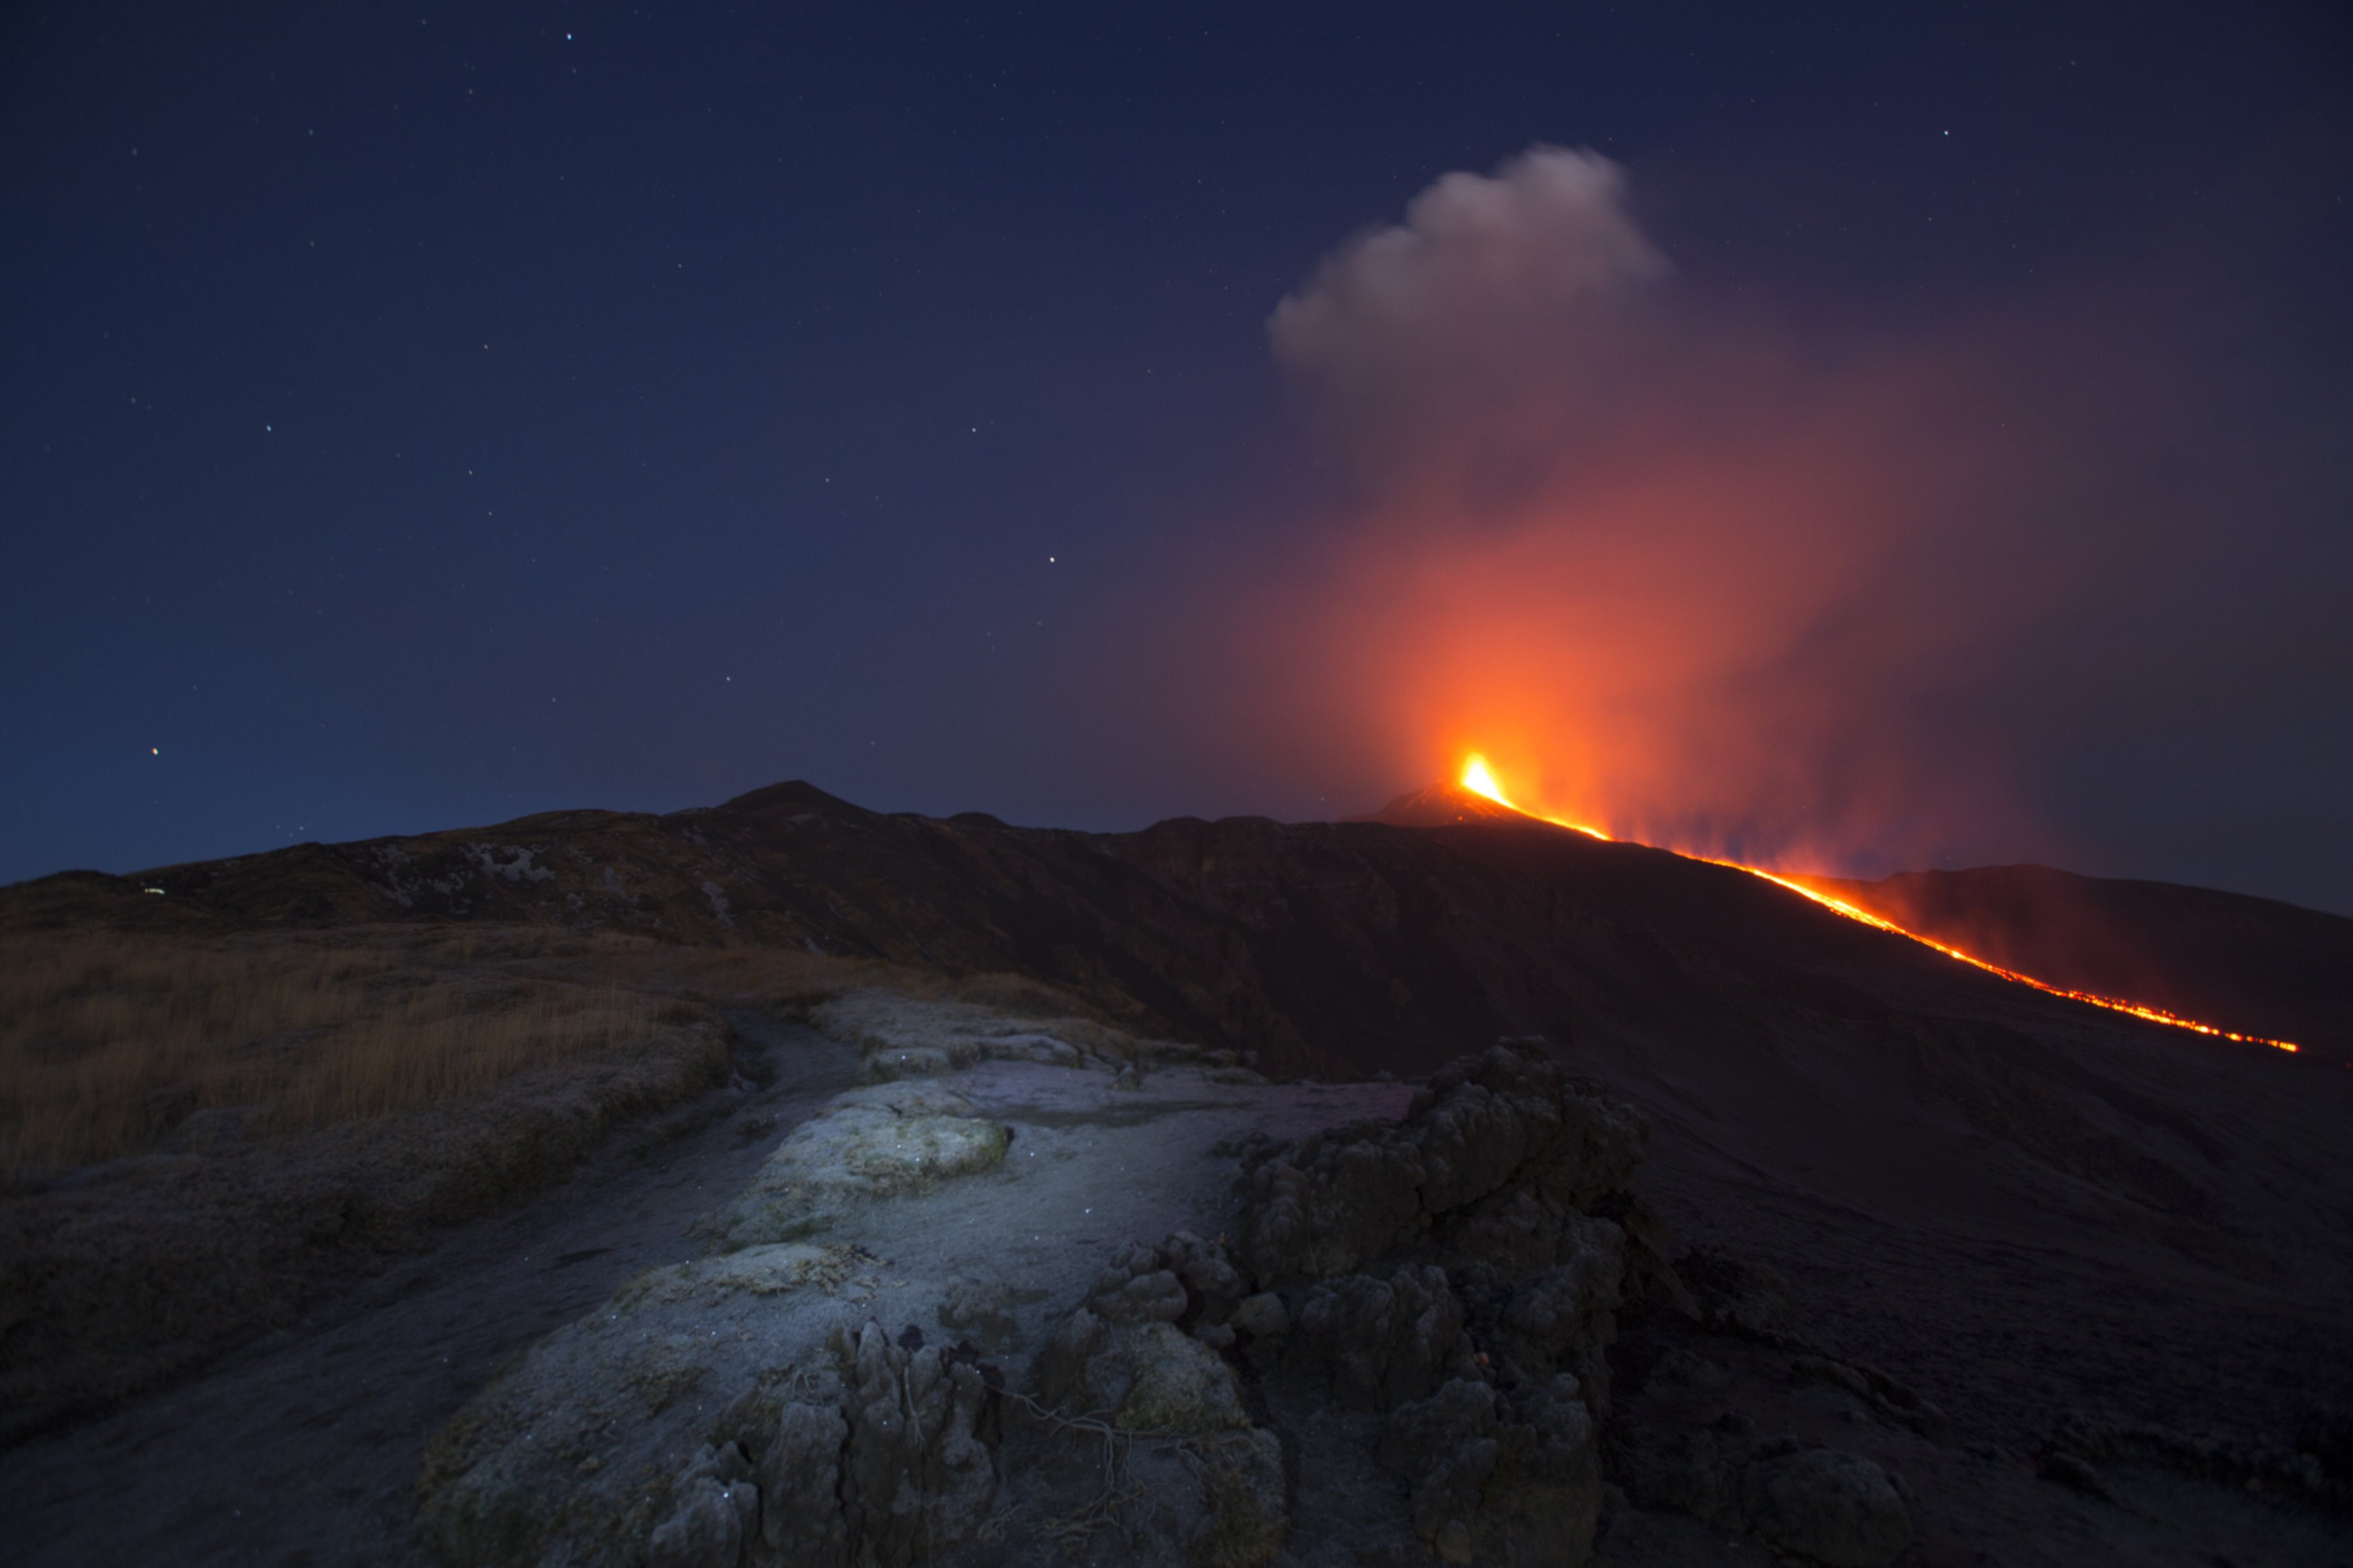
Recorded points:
(1486,274)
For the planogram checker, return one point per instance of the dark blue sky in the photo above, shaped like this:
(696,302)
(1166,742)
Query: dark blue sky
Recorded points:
(415,418)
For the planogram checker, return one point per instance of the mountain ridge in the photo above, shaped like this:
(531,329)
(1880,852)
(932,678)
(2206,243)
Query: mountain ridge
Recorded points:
(1473,918)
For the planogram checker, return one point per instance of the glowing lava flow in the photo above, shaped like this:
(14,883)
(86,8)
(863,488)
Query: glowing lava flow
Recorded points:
(1480,779)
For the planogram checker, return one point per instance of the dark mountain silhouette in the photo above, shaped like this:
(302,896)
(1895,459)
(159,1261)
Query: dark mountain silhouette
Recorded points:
(1327,947)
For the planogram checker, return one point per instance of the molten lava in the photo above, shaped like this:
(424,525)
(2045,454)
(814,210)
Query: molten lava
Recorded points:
(1480,779)
(1477,778)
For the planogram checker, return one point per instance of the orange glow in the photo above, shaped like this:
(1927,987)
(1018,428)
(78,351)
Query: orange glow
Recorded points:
(1477,778)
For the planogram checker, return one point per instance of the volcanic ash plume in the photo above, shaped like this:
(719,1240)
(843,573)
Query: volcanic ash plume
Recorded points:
(1677,575)
(1488,290)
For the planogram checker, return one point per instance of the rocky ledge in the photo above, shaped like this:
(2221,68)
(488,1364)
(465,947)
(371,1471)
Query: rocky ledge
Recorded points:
(1375,1327)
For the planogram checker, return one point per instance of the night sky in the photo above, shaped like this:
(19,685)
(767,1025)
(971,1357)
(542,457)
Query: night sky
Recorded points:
(1867,436)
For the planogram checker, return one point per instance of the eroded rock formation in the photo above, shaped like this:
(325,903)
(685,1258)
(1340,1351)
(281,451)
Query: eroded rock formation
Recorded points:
(1401,1342)
(1444,1275)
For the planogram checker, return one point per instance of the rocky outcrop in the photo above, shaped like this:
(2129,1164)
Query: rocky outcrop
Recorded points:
(800,1476)
(1444,1276)
(1385,1341)
(1414,1322)
(1452,1271)
(1496,1158)
(716,1516)
(892,1460)
(1139,1375)
(1507,1477)
(873,1143)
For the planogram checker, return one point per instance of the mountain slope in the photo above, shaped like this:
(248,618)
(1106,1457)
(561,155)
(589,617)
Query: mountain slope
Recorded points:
(2251,964)
(2019,1202)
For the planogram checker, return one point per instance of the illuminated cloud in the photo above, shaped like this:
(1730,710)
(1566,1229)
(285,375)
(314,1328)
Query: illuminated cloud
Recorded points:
(1675,574)
(1489,280)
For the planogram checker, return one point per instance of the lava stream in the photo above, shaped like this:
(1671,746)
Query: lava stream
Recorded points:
(1480,779)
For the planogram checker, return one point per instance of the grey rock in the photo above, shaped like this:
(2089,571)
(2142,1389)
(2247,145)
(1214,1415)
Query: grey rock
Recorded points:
(1261,1316)
(1516,1483)
(800,1480)
(1156,1297)
(1062,1362)
(1210,1279)
(1448,1441)
(1836,1508)
(1202,1484)
(1180,1386)
(917,1474)
(1386,1340)
(1564,1316)
(745,1496)
(704,1530)
(1182,1280)
(1509,1118)
(977,1313)
(715,1513)
(1512,1228)
(1243,1514)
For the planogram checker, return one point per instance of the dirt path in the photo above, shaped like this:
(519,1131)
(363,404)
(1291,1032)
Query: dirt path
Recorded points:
(303,1448)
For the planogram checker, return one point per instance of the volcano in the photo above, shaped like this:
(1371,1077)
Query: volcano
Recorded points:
(2024,1211)
(1445,805)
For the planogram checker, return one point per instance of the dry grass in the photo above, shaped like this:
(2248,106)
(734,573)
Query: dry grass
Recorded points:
(108,1043)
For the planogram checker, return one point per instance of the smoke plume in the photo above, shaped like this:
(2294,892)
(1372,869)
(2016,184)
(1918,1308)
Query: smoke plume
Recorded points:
(1681,574)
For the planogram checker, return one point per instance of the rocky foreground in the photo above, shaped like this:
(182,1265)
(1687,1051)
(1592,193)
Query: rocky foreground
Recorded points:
(1052,1302)
(1350,1332)
(934,1281)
